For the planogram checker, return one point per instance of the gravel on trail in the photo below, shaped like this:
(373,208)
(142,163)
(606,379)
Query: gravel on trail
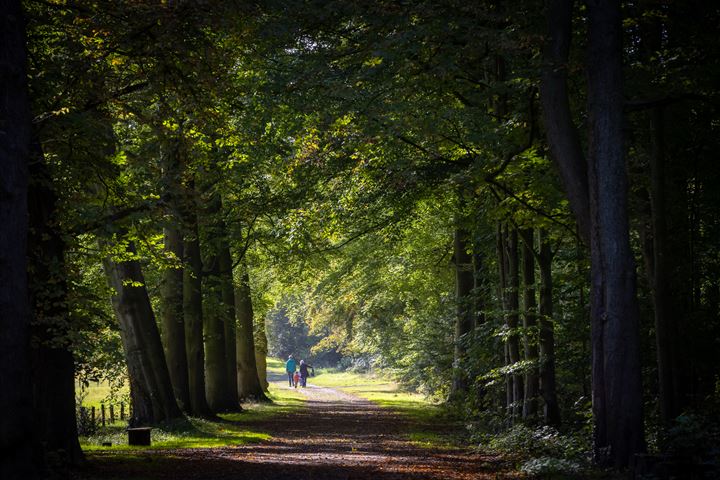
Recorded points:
(334,436)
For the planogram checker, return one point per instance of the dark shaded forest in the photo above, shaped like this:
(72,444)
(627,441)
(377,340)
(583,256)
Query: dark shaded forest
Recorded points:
(511,207)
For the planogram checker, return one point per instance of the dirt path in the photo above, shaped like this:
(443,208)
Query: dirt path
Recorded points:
(336,436)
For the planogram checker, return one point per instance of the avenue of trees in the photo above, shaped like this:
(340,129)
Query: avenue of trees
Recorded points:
(510,206)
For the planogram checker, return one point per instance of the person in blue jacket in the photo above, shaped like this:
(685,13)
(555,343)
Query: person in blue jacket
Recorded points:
(290,367)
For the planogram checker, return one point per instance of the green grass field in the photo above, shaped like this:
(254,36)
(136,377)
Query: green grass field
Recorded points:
(230,429)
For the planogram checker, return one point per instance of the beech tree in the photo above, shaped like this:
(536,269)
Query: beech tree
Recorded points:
(598,187)
(16,438)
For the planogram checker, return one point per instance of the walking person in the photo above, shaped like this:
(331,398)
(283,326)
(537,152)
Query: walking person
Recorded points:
(290,367)
(304,372)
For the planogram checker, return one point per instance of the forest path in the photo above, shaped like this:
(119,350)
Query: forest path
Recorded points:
(335,435)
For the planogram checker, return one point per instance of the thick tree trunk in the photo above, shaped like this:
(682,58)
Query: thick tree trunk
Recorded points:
(53,363)
(615,316)
(221,393)
(562,135)
(16,415)
(151,390)
(599,202)
(532,385)
(220,396)
(249,386)
(171,284)
(548,387)
(229,323)
(173,322)
(193,314)
(464,314)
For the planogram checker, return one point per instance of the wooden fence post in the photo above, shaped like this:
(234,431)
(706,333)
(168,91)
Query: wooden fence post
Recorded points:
(92,416)
(102,413)
(112,415)
(122,411)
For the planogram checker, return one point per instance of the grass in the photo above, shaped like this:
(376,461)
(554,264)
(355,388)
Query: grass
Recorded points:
(230,429)
(379,390)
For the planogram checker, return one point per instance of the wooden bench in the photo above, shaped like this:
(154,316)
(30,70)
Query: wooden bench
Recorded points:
(139,435)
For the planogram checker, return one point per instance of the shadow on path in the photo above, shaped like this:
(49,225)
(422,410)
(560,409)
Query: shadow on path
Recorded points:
(335,436)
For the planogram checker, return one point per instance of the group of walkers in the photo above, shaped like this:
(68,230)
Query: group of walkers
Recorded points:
(297,374)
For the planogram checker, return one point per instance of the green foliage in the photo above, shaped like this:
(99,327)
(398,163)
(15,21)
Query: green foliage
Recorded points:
(543,451)
(693,436)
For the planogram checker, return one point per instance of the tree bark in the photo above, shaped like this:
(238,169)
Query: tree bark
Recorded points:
(599,202)
(261,349)
(151,389)
(193,311)
(615,313)
(229,323)
(562,135)
(16,437)
(548,386)
(503,295)
(221,389)
(53,362)
(173,322)
(464,315)
(248,381)
(220,396)
(171,285)
(532,386)
(513,317)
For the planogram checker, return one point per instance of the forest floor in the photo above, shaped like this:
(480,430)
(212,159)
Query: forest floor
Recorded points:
(332,434)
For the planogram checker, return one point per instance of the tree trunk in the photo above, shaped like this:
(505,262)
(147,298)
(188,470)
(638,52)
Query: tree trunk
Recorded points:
(616,382)
(16,434)
(221,392)
(249,386)
(548,387)
(503,295)
(261,349)
(220,396)
(562,135)
(171,286)
(151,390)
(53,362)
(193,313)
(512,317)
(615,313)
(228,300)
(532,386)
(464,315)
(667,311)
(173,322)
